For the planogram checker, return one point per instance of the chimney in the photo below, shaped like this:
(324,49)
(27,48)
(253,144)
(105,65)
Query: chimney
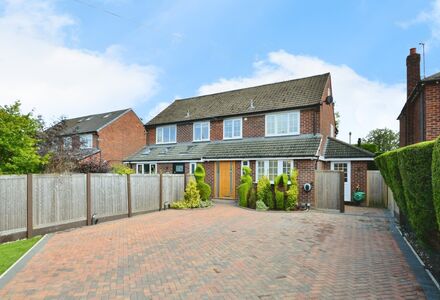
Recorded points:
(412,70)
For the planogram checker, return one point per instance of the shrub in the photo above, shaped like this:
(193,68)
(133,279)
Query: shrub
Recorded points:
(252,201)
(204,188)
(436,179)
(292,193)
(415,163)
(122,169)
(245,187)
(279,199)
(260,205)
(280,187)
(191,198)
(264,192)
(93,166)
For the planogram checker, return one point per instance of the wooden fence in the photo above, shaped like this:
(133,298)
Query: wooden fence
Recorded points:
(36,204)
(329,190)
(377,190)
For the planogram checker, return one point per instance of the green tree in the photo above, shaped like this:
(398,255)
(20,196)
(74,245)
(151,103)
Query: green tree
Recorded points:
(385,139)
(19,140)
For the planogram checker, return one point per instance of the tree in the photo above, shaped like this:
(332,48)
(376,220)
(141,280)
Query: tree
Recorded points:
(19,141)
(385,139)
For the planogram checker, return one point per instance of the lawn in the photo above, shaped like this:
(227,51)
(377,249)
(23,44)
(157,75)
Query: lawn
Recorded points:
(11,252)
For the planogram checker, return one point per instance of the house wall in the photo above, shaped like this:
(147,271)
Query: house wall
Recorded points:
(359,175)
(121,138)
(432,107)
(326,113)
(306,174)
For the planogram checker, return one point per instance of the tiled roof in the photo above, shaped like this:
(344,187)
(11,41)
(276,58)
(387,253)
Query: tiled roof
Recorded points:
(435,76)
(338,149)
(276,96)
(91,123)
(301,146)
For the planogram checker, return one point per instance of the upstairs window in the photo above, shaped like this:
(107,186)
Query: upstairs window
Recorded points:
(166,134)
(232,129)
(86,141)
(285,123)
(201,131)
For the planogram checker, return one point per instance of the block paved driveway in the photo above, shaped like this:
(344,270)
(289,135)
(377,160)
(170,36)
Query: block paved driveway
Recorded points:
(221,252)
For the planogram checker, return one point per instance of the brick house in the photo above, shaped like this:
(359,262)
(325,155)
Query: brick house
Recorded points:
(420,116)
(270,128)
(109,136)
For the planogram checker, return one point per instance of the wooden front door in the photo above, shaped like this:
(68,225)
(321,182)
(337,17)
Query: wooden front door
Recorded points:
(226,179)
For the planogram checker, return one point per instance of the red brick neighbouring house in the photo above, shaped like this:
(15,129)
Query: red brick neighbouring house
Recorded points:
(420,116)
(109,136)
(271,128)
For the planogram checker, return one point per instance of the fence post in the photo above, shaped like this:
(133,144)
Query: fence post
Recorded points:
(160,191)
(30,211)
(89,198)
(129,195)
(341,192)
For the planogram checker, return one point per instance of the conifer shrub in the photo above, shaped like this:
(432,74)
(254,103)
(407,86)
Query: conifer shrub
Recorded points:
(191,199)
(436,179)
(244,189)
(292,193)
(204,188)
(264,193)
(280,187)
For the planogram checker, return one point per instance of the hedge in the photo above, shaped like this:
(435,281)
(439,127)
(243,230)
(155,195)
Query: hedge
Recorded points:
(408,172)
(436,179)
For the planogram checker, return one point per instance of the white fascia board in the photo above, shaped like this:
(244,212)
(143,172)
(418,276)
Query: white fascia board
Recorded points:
(347,159)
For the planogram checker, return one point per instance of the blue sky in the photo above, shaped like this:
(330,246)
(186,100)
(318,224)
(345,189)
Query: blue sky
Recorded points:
(77,57)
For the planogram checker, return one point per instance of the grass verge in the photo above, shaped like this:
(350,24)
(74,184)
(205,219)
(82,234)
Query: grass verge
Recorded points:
(11,252)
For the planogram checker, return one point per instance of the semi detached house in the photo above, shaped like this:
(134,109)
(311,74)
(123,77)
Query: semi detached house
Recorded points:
(270,128)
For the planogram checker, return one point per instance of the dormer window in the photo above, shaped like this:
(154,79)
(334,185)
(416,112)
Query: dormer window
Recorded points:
(285,123)
(201,131)
(166,134)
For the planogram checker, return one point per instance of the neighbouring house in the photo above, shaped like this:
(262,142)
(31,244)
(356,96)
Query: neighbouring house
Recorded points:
(109,136)
(420,116)
(271,128)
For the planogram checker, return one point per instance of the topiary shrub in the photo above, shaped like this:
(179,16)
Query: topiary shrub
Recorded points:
(252,201)
(280,187)
(436,179)
(204,188)
(292,193)
(191,199)
(245,187)
(415,165)
(264,193)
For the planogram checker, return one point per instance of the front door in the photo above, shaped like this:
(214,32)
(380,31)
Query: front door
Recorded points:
(346,168)
(226,179)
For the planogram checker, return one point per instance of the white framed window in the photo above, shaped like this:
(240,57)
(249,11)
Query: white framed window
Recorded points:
(273,168)
(86,141)
(146,168)
(166,134)
(244,163)
(192,167)
(201,131)
(67,142)
(232,128)
(285,123)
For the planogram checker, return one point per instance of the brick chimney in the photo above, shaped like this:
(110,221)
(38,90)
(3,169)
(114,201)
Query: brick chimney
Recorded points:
(412,70)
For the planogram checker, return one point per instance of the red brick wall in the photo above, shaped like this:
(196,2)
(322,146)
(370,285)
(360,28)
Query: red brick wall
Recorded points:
(209,179)
(359,175)
(309,120)
(121,138)
(151,136)
(306,173)
(432,107)
(216,130)
(184,133)
(412,70)
(327,113)
(165,168)
(253,126)
(402,131)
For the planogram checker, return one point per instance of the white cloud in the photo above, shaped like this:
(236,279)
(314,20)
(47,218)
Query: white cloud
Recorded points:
(429,17)
(44,74)
(363,104)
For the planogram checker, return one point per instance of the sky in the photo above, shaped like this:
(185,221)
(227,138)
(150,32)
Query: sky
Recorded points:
(77,57)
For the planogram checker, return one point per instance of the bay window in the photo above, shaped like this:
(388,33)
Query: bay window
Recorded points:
(166,134)
(285,123)
(201,131)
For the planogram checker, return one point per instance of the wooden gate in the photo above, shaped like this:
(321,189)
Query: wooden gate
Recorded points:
(377,190)
(329,190)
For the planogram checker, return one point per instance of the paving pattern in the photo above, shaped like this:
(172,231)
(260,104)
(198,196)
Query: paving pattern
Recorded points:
(222,252)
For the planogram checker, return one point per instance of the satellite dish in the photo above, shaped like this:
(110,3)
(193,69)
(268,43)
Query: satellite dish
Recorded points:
(329,99)
(307,187)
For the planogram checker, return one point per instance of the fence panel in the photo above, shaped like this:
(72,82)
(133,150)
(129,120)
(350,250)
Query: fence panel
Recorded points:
(13,204)
(377,190)
(172,187)
(329,190)
(58,199)
(109,194)
(145,193)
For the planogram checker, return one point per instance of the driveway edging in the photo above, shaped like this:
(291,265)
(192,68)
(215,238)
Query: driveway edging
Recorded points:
(22,261)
